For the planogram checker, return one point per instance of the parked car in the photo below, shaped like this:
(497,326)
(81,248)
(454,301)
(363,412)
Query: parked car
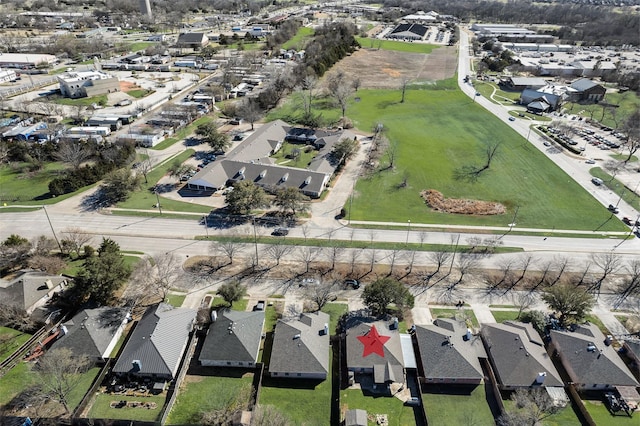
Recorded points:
(597,181)
(259,306)
(512,119)
(280,232)
(352,283)
(307,281)
(545,143)
(627,221)
(613,209)
(590,161)
(414,401)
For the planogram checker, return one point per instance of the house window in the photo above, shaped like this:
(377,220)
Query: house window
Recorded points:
(228,362)
(240,363)
(299,374)
(286,374)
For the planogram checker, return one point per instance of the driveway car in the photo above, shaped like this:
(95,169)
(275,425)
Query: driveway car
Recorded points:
(259,306)
(280,232)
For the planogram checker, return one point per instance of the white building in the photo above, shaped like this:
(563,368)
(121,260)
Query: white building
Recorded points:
(79,84)
(7,75)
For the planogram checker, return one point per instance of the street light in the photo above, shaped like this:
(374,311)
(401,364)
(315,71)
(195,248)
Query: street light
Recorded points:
(155,191)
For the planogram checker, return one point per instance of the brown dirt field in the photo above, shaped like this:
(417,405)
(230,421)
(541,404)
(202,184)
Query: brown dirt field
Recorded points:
(385,69)
(126,86)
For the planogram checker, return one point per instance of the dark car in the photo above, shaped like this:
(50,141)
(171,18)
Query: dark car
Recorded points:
(613,209)
(280,232)
(352,283)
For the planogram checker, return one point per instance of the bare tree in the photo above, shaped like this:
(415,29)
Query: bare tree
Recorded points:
(308,92)
(392,153)
(532,406)
(305,231)
(546,269)
(250,110)
(524,262)
(422,236)
(322,293)
(229,248)
(466,263)
(630,287)
(354,255)
(440,258)
(277,251)
(522,300)
(59,373)
(153,278)
(505,268)
(268,415)
(340,89)
(72,153)
(393,256)
(609,263)
(307,255)
(333,253)
(372,258)
(561,265)
(472,173)
(75,239)
(410,255)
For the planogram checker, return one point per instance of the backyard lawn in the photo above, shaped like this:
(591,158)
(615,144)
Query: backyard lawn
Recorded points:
(176,299)
(457,408)
(303,402)
(335,311)
(455,313)
(301,161)
(15,381)
(602,417)
(101,408)
(200,394)
(10,340)
(502,316)
(565,417)
(452,137)
(238,305)
(397,413)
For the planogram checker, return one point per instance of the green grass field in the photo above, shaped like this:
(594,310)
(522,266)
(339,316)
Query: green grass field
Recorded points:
(502,316)
(458,409)
(301,162)
(303,402)
(139,93)
(238,305)
(454,134)
(78,392)
(454,313)
(101,408)
(400,46)
(200,394)
(19,185)
(617,187)
(176,299)
(627,101)
(98,99)
(140,45)
(335,311)
(15,381)
(397,413)
(602,417)
(565,417)
(299,40)
(10,340)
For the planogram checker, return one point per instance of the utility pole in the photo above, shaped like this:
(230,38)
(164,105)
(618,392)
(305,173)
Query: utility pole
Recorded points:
(52,230)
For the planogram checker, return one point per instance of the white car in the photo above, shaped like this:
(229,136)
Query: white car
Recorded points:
(590,161)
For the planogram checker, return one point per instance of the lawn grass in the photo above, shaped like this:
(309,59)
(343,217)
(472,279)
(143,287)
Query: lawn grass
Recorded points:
(270,318)
(303,402)
(139,93)
(565,417)
(15,381)
(292,110)
(15,340)
(18,209)
(617,187)
(78,392)
(598,323)
(455,313)
(176,299)
(301,162)
(400,46)
(98,100)
(623,157)
(299,40)
(200,394)
(19,185)
(502,316)
(397,413)
(457,409)
(145,199)
(335,311)
(453,135)
(238,305)
(182,133)
(628,103)
(101,408)
(602,417)
(487,89)
(140,45)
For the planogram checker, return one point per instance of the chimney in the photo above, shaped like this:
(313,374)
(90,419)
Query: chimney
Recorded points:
(63,330)
(468,335)
(540,378)
(608,340)
(326,328)
(137,365)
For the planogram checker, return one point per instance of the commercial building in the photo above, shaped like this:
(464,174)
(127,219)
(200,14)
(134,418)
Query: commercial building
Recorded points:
(80,84)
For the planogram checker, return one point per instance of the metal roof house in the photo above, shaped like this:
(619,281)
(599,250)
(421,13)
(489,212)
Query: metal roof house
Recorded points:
(587,90)
(449,353)
(373,348)
(93,332)
(589,359)
(233,340)
(518,356)
(301,347)
(157,344)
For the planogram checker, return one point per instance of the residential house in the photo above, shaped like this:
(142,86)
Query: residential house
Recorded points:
(233,340)
(301,347)
(157,344)
(93,332)
(518,356)
(373,348)
(250,160)
(80,84)
(192,40)
(585,90)
(30,289)
(449,353)
(408,32)
(589,359)
(631,348)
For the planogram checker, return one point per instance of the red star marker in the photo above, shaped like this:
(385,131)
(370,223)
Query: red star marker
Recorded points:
(373,342)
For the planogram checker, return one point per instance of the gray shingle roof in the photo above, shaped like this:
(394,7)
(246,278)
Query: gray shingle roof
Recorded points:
(516,359)
(91,331)
(28,287)
(158,341)
(190,38)
(241,343)
(446,354)
(306,353)
(600,365)
(388,367)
